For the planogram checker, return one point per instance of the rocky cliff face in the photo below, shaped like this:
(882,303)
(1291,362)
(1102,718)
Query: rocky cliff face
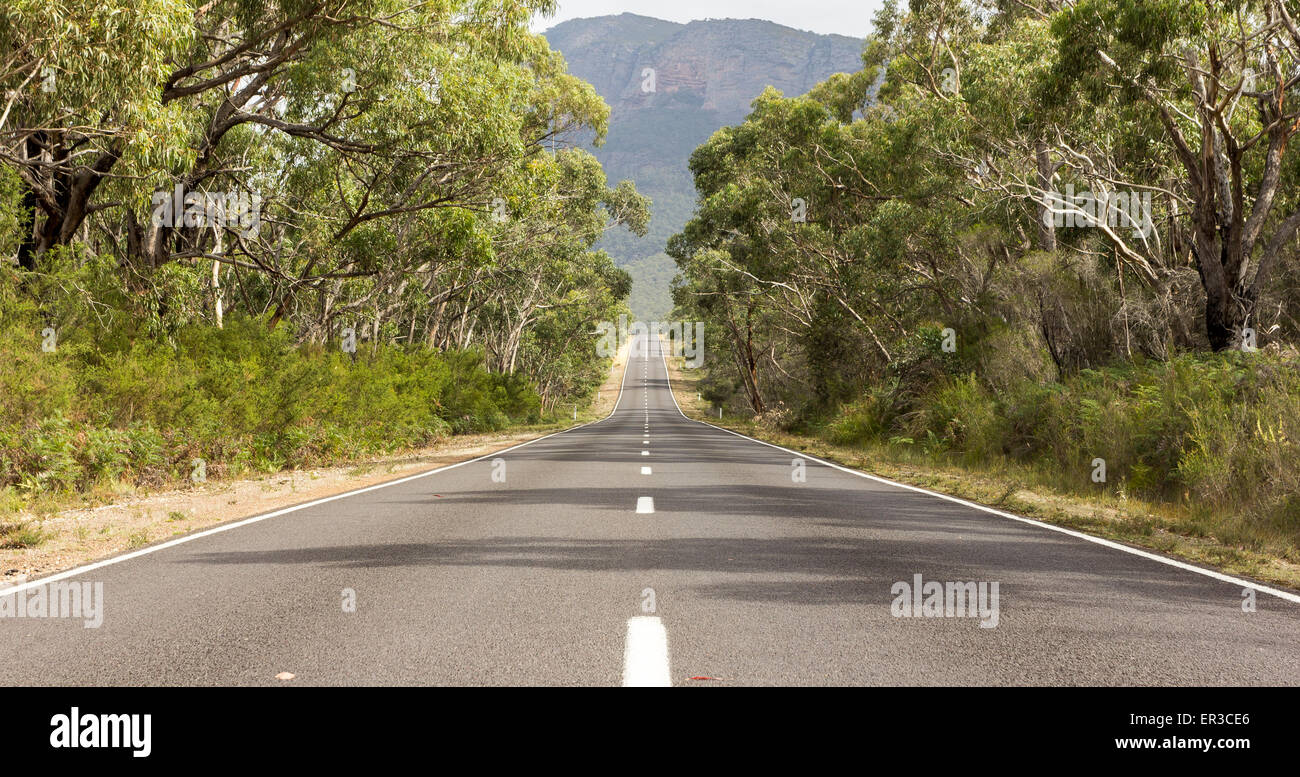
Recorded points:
(705,74)
(720,63)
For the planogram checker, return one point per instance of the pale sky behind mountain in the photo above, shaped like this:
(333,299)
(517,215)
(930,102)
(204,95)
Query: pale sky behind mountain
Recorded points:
(845,17)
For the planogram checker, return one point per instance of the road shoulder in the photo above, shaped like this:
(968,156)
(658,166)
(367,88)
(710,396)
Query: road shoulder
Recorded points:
(1148,527)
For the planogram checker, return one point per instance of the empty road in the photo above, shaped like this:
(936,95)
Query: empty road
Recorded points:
(649,549)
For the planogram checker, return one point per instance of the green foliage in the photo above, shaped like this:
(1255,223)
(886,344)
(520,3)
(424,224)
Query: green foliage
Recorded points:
(960,415)
(407,172)
(1220,431)
(921,184)
(652,277)
(859,422)
(11,211)
(240,398)
(411,199)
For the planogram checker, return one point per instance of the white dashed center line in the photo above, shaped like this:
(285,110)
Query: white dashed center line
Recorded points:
(645,656)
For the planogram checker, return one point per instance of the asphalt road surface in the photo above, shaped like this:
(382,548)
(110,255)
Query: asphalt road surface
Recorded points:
(648,549)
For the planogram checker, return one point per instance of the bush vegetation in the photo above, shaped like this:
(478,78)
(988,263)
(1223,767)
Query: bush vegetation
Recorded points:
(912,255)
(101,409)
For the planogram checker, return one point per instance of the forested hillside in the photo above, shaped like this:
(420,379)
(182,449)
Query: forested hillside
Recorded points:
(704,76)
(267,233)
(1064,238)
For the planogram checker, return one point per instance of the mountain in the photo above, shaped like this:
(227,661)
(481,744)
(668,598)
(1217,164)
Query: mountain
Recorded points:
(705,75)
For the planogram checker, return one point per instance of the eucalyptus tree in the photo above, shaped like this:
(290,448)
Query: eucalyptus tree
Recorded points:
(1215,81)
(408,106)
(81,98)
(402,170)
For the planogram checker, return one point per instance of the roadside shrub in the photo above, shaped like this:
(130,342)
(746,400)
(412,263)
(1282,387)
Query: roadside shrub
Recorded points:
(242,398)
(1220,432)
(856,423)
(959,415)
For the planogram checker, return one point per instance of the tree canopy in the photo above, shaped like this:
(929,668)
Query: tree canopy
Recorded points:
(1054,185)
(404,171)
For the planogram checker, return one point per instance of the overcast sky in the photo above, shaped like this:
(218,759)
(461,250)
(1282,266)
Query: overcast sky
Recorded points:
(846,17)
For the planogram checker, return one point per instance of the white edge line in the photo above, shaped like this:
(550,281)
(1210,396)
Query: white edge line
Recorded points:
(1220,576)
(283,511)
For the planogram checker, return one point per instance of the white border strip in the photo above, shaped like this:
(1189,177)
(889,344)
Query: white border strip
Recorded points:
(1286,595)
(284,511)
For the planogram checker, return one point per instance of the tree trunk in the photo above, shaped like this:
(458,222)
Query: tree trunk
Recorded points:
(1225,312)
(217,298)
(1046,228)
